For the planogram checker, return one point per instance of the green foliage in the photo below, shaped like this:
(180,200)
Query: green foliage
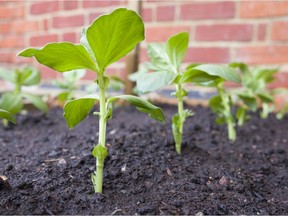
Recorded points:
(13,101)
(68,84)
(109,38)
(5,115)
(165,63)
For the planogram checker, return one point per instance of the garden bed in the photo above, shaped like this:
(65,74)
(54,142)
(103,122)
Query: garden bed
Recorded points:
(49,167)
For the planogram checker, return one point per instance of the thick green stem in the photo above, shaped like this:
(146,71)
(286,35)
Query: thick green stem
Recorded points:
(5,122)
(178,142)
(98,181)
(231,131)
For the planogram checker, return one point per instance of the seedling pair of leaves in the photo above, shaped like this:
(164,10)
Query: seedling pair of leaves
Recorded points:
(252,93)
(165,64)
(13,101)
(106,40)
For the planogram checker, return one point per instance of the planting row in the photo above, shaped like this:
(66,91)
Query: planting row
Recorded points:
(109,38)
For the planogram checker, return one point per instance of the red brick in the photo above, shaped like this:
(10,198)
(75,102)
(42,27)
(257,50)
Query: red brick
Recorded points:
(261,32)
(19,26)
(262,54)
(165,13)
(162,33)
(208,10)
(68,21)
(147,14)
(44,7)
(143,56)
(93,16)
(47,73)
(7,57)
(12,42)
(70,5)
(70,37)
(253,9)
(224,32)
(39,41)
(207,55)
(103,3)
(280,31)
(8,12)
(281,80)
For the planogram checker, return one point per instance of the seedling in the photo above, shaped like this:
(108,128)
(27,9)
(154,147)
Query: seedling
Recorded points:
(13,101)
(106,40)
(165,62)
(68,84)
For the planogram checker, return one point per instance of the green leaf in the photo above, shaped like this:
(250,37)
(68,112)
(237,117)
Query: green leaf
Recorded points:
(152,81)
(159,58)
(36,101)
(241,116)
(77,110)
(7,115)
(215,103)
(62,56)
(11,102)
(197,76)
(249,101)
(64,96)
(176,48)
(266,97)
(7,75)
(114,35)
(30,77)
(176,132)
(222,71)
(142,105)
(243,67)
(100,152)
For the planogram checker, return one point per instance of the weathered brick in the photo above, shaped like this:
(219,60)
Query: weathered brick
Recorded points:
(262,31)
(68,21)
(9,12)
(70,5)
(12,42)
(101,3)
(207,10)
(253,9)
(165,13)
(281,80)
(262,54)
(70,37)
(162,33)
(147,14)
(19,26)
(280,31)
(7,57)
(207,55)
(44,7)
(224,32)
(46,73)
(39,41)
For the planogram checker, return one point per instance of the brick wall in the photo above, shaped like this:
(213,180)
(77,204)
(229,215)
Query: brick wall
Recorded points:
(255,32)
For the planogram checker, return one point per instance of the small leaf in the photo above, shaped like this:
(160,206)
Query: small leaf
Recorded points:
(30,77)
(266,97)
(11,102)
(142,105)
(159,58)
(77,110)
(64,96)
(100,152)
(114,35)
(249,101)
(176,48)
(62,56)
(241,116)
(36,101)
(222,71)
(197,76)
(152,81)
(215,103)
(243,67)
(7,115)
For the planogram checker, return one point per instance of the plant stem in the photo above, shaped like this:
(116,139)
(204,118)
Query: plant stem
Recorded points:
(231,131)
(102,135)
(178,142)
(5,122)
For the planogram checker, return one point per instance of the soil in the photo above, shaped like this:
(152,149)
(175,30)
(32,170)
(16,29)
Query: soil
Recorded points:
(48,168)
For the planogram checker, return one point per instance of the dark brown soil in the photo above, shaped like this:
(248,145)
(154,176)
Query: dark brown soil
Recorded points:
(49,167)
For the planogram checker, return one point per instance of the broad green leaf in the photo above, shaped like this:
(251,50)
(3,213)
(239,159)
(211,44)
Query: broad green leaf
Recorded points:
(142,105)
(176,124)
(7,115)
(159,58)
(11,102)
(215,103)
(222,71)
(152,81)
(62,56)
(30,77)
(176,48)
(196,76)
(77,110)
(36,101)
(266,74)
(114,35)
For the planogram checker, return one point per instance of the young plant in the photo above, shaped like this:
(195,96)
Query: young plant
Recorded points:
(13,101)
(106,40)
(165,62)
(5,115)
(68,84)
